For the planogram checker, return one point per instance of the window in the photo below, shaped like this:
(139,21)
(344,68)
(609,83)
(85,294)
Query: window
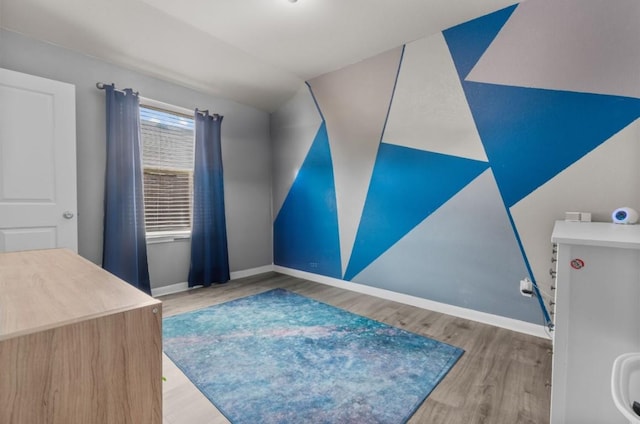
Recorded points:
(167,160)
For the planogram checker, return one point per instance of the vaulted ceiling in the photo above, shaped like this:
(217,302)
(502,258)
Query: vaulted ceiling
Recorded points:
(257,52)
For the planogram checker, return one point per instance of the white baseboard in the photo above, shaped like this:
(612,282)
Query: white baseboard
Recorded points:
(181,287)
(171,289)
(470,314)
(251,272)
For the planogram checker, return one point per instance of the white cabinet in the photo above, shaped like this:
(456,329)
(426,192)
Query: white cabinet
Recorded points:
(597,317)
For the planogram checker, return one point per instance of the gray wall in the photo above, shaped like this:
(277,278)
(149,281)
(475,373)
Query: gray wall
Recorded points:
(245,150)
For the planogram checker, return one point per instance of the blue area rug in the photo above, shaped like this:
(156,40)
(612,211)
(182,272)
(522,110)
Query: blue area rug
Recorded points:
(278,357)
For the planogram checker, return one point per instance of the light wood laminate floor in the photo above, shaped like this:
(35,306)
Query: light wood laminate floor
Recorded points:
(502,378)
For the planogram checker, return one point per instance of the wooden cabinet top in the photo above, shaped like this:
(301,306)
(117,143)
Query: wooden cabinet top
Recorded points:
(43,289)
(597,234)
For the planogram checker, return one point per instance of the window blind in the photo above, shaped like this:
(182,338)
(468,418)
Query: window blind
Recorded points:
(167,159)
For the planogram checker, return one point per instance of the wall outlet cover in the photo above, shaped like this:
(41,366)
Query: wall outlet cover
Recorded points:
(526,287)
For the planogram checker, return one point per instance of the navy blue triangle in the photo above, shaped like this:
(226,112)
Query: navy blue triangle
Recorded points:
(407,185)
(531,135)
(468,41)
(306,233)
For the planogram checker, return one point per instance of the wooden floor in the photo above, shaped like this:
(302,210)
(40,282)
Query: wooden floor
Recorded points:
(503,376)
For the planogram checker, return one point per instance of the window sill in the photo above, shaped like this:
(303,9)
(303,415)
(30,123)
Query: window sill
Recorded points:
(167,237)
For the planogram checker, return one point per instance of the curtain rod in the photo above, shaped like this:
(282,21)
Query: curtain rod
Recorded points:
(102,86)
(206,112)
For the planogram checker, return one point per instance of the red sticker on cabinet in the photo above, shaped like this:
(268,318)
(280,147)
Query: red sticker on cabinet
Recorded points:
(577,263)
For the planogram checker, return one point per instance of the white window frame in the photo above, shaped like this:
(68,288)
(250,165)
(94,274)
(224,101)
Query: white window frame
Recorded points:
(168,236)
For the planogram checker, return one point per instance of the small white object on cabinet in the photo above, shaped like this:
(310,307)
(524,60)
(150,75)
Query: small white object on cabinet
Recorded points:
(624,215)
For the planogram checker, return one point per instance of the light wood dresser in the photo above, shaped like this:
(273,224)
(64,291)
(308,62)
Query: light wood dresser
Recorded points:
(77,344)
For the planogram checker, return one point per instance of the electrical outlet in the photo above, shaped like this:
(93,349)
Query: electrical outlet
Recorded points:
(526,287)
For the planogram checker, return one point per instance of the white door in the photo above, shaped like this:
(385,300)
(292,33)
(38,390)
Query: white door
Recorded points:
(37,163)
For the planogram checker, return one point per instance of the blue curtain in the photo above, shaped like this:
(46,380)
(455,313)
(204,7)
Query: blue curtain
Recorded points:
(209,255)
(125,249)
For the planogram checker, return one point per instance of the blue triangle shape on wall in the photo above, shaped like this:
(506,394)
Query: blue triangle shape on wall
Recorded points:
(407,186)
(305,232)
(531,135)
(470,40)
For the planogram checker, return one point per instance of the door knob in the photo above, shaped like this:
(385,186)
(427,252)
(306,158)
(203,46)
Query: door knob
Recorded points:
(67,215)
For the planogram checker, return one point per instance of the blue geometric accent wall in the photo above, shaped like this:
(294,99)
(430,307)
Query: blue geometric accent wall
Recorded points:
(306,228)
(468,41)
(480,152)
(540,132)
(406,187)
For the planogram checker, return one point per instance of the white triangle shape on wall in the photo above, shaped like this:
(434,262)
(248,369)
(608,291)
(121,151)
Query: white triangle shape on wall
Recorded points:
(570,45)
(429,109)
(354,102)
